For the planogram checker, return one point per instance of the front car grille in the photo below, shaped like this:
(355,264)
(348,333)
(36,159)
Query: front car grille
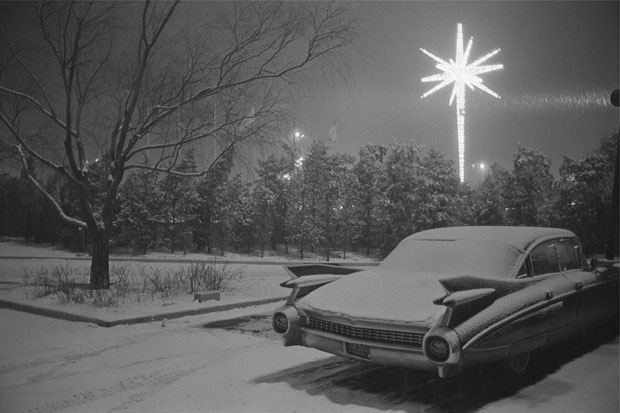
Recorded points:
(368,334)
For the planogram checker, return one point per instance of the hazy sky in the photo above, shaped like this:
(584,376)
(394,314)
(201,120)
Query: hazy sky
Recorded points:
(560,62)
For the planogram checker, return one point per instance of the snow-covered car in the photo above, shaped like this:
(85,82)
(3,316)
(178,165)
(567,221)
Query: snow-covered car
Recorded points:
(449,299)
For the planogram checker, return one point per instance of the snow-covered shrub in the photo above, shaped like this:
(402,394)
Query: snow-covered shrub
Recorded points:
(104,298)
(208,276)
(64,282)
(123,283)
(75,295)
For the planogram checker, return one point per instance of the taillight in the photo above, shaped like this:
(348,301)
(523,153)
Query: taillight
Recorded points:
(280,323)
(437,349)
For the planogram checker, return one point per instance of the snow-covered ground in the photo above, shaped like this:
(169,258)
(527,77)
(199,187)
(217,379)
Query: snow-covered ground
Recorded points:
(259,279)
(53,365)
(232,362)
(10,247)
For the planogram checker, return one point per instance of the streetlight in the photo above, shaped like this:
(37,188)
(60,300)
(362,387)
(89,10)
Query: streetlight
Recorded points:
(299,162)
(479,165)
(297,137)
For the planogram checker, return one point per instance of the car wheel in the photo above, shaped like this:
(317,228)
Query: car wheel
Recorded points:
(513,370)
(518,364)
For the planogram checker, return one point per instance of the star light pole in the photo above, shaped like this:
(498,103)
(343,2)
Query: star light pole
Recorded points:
(462,74)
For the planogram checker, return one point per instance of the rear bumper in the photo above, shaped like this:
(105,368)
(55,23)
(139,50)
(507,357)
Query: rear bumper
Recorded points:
(399,355)
(378,354)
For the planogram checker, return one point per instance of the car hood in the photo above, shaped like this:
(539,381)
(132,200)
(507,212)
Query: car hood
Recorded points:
(378,295)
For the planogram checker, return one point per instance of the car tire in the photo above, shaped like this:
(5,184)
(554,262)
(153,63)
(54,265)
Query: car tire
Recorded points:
(514,370)
(517,365)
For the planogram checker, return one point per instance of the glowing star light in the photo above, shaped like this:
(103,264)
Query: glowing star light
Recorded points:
(462,74)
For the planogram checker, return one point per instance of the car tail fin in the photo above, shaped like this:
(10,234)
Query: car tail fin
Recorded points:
(311,280)
(307,278)
(304,270)
(458,298)
(467,295)
(467,282)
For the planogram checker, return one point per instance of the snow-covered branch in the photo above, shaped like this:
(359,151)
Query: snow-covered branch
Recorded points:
(61,213)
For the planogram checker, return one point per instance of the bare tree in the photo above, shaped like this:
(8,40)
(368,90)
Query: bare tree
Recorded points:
(117,82)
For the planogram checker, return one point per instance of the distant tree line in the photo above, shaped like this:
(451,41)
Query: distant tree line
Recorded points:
(325,202)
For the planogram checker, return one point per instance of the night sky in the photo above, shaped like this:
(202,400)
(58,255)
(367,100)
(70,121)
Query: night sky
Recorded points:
(560,62)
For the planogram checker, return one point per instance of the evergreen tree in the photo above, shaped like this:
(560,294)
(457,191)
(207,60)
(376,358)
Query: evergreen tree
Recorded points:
(275,175)
(403,180)
(488,200)
(584,194)
(241,211)
(529,193)
(137,220)
(206,199)
(370,201)
(178,198)
(263,201)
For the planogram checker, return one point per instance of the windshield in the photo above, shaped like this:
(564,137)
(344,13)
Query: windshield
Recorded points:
(453,257)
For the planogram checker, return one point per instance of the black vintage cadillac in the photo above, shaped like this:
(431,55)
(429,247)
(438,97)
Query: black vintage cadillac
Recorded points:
(450,299)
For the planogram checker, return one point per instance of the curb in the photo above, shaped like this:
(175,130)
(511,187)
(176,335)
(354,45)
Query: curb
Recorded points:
(49,312)
(193,261)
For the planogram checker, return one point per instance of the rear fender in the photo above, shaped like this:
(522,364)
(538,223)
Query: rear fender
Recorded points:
(466,296)
(307,278)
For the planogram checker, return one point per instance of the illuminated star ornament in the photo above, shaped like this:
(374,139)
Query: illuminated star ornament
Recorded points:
(462,74)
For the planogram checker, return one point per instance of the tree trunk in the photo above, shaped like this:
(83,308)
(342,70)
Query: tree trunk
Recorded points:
(611,231)
(100,263)
(327,228)
(368,230)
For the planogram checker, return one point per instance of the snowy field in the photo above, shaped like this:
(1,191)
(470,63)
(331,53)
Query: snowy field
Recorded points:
(258,279)
(231,361)
(188,366)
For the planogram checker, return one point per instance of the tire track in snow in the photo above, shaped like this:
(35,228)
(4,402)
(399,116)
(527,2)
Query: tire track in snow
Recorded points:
(151,381)
(66,358)
(376,385)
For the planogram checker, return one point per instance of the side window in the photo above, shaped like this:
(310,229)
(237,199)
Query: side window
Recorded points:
(544,259)
(523,272)
(568,254)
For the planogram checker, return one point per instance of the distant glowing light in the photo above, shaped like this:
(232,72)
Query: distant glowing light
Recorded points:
(299,162)
(461,74)
(298,135)
(560,101)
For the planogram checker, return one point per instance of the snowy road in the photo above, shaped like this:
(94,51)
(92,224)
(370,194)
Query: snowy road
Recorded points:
(195,364)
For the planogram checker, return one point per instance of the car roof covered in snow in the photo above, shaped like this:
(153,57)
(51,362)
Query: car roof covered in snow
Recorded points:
(519,237)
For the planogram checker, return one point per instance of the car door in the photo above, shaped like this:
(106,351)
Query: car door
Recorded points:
(597,292)
(549,265)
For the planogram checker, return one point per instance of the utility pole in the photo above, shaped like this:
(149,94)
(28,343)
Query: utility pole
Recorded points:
(611,244)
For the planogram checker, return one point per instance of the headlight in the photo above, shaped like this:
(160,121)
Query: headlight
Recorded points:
(437,349)
(280,323)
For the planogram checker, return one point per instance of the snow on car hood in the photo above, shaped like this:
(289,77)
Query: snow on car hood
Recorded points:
(399,296)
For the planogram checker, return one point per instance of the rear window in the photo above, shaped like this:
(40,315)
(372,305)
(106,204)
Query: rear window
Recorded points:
(453,257)
(555,256)
(568,254)
(544,259)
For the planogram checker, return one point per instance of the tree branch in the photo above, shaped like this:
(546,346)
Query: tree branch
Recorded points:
(35,154)
(61,213)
